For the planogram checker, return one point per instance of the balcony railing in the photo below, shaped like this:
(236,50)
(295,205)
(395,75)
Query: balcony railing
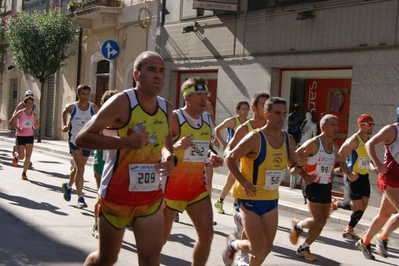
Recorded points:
(74,6)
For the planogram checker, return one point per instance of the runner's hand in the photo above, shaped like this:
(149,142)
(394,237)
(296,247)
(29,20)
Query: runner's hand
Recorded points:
(166,167)
(184,143)
(138,139)
(249,189)
(353,176)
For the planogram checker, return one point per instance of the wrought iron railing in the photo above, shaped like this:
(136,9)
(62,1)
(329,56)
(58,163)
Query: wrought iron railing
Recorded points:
(79,5)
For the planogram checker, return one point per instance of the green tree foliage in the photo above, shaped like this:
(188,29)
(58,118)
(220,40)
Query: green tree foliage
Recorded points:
(40,44)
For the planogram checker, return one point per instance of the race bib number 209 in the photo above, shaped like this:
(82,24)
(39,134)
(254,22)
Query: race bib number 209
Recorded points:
(143,178)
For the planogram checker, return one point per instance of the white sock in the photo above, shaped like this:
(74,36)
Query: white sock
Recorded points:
(305,245)
(234,244)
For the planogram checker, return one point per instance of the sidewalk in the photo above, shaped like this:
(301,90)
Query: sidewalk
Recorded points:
(291,200)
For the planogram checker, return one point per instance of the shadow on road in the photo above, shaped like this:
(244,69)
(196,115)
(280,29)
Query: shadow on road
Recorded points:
(22,244)
(30,204)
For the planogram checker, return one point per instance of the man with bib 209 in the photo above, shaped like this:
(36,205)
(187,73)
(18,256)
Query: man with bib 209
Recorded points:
(186,188)
(140,151)
(265,154)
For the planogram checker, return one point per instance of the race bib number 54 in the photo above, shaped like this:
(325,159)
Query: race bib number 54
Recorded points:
(143,178)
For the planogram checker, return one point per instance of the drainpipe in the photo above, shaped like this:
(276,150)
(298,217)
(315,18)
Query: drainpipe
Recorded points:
(14,6)
(79,58)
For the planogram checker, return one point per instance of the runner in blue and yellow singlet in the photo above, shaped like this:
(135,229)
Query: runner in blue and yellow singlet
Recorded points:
(139,151)
(265,155)
(257,121)
(356,170)
(232,123)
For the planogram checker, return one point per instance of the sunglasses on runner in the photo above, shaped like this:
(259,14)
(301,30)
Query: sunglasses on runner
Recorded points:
(369,124)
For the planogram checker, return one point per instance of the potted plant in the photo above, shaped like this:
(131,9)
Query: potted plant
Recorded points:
(72,6)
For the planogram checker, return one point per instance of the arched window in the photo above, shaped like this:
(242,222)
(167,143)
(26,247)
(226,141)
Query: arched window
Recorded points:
(103,67)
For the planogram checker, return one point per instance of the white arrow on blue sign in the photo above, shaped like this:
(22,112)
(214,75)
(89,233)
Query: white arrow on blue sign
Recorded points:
(110,49)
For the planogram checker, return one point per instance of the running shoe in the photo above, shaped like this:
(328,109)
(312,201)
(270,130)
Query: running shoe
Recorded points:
(305,253)
(15,161)
(14,150)
(229,252)
(242,259)
(239,227)
(294,232)
(333,206)
(24,177)
(219,206)
(81,203)
(381,246)
(365,249)
(233,210)
(67,191)
(350,235)
(177,218)
(94,232)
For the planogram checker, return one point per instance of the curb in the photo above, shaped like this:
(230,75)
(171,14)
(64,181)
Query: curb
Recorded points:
(305,212)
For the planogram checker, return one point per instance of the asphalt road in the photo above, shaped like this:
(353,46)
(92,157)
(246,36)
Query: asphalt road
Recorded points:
(39,228)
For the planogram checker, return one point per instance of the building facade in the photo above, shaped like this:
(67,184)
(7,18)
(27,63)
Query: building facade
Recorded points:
(333,56)
(337,57)
(130,26)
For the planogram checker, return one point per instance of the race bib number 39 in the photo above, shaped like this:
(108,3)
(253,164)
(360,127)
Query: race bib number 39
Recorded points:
(143,178)
(198,153)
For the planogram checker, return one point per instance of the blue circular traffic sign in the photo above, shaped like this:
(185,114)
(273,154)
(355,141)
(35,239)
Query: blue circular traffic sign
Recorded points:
(110,49)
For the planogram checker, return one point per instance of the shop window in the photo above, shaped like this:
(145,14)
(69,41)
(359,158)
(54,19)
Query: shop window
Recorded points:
(321,92)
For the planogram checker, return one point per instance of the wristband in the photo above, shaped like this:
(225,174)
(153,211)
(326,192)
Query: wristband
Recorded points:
(175,160)
(298,166)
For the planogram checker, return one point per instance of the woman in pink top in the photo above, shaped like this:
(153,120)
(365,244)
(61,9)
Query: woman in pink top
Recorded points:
(24,121)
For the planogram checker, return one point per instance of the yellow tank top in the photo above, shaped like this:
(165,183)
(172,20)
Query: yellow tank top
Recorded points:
(249,126)
(121,181)
(359,161)
(266,171)
(187,180)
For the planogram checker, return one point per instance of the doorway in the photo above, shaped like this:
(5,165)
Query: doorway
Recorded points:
(102,82)
(102,86)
